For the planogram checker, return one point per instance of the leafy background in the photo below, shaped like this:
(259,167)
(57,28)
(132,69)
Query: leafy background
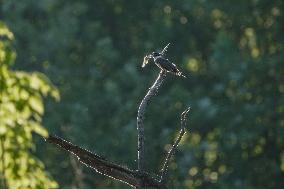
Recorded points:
(232,52)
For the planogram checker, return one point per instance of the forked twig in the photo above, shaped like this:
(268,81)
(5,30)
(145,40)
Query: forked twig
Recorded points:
(175,145)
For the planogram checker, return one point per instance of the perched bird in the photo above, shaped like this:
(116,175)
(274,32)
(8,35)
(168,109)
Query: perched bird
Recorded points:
(162,62)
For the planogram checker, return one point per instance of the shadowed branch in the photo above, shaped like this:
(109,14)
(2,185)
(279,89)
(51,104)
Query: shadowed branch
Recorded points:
(140,118)
(107,168)
(175,145)
(96,162)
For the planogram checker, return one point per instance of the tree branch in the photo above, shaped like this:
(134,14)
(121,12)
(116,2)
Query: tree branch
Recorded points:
(175,145)
(139,179)
(96,162)
(107,168)
(140,119)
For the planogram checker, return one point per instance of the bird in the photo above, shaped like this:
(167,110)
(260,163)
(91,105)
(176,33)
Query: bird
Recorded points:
(162,62)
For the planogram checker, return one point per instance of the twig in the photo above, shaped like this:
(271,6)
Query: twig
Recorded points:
(107,168)
(140,119)
(175,145)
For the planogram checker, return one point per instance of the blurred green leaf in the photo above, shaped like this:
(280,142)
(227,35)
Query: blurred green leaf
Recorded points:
(20,116)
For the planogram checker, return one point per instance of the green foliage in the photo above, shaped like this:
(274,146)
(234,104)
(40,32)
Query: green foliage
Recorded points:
(21,114)
(231,50)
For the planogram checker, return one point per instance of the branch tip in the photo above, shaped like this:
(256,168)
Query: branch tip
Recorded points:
(175,145)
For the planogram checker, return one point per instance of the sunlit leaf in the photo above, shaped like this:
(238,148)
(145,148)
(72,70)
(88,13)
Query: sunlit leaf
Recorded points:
(36,104)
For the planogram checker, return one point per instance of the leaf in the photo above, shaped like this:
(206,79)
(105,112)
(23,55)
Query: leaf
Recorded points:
(36,104)
(3,129)
(37,128)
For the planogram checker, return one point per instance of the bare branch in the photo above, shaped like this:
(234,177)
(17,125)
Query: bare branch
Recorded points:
(175,145)
(140,118)
(101,165)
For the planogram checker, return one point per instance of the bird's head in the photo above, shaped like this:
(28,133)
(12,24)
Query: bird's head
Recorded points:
(150,56)
(155,54)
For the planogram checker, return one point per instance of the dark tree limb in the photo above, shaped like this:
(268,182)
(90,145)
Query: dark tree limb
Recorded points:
(175,145)
(96,162)
(107,168)
(140,119)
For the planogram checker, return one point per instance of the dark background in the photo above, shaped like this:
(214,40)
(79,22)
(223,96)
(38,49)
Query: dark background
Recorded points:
(231,52)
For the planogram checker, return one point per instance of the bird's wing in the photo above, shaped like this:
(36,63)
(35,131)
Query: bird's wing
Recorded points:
(166,64)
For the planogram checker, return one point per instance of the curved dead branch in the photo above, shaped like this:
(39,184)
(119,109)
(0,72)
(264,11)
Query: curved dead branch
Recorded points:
(140,118)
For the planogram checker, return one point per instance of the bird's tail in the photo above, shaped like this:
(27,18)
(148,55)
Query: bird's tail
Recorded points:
(179,73)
